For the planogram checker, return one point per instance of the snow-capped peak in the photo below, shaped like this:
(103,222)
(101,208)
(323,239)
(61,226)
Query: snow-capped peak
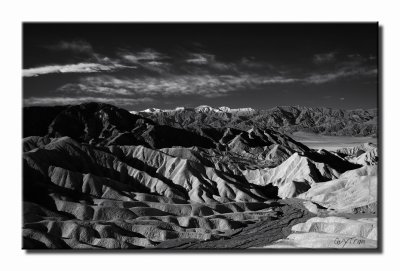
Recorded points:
(180,108)
(152,110)
(205,109)
(224,109)
(242,110)
(201,109)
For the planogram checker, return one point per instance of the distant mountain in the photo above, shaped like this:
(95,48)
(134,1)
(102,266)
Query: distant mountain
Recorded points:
(285,119)
(104,124)
(199,109)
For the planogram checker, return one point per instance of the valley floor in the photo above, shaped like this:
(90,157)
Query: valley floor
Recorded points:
(331,143)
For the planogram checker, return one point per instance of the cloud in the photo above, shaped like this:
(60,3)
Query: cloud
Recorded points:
(78,100)
(356,56)
(205,85)
(147,55)
(199,59)
(147,59)
(72,68)
(339,74)
(82,88)
(279,80)
(79,46)
(172,85)
(251,63)
(155,63)
(324,58)
(353,65)
(211,62)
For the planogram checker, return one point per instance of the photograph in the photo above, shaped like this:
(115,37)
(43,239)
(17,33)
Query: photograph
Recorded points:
(201,136)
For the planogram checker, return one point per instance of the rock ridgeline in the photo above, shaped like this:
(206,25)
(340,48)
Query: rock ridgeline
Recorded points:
(285,119)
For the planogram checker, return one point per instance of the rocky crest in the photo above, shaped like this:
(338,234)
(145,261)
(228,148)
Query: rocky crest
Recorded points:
(285,119)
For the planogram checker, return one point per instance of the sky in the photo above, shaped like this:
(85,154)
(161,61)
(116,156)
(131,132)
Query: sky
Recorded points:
(137,66)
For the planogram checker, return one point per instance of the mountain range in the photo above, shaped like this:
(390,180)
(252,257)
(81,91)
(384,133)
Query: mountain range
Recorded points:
(97,176)
(285,119)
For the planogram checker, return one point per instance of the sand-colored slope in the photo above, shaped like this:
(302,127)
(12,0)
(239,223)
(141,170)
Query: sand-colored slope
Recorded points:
(331,232)
(294,176)
(354,189)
